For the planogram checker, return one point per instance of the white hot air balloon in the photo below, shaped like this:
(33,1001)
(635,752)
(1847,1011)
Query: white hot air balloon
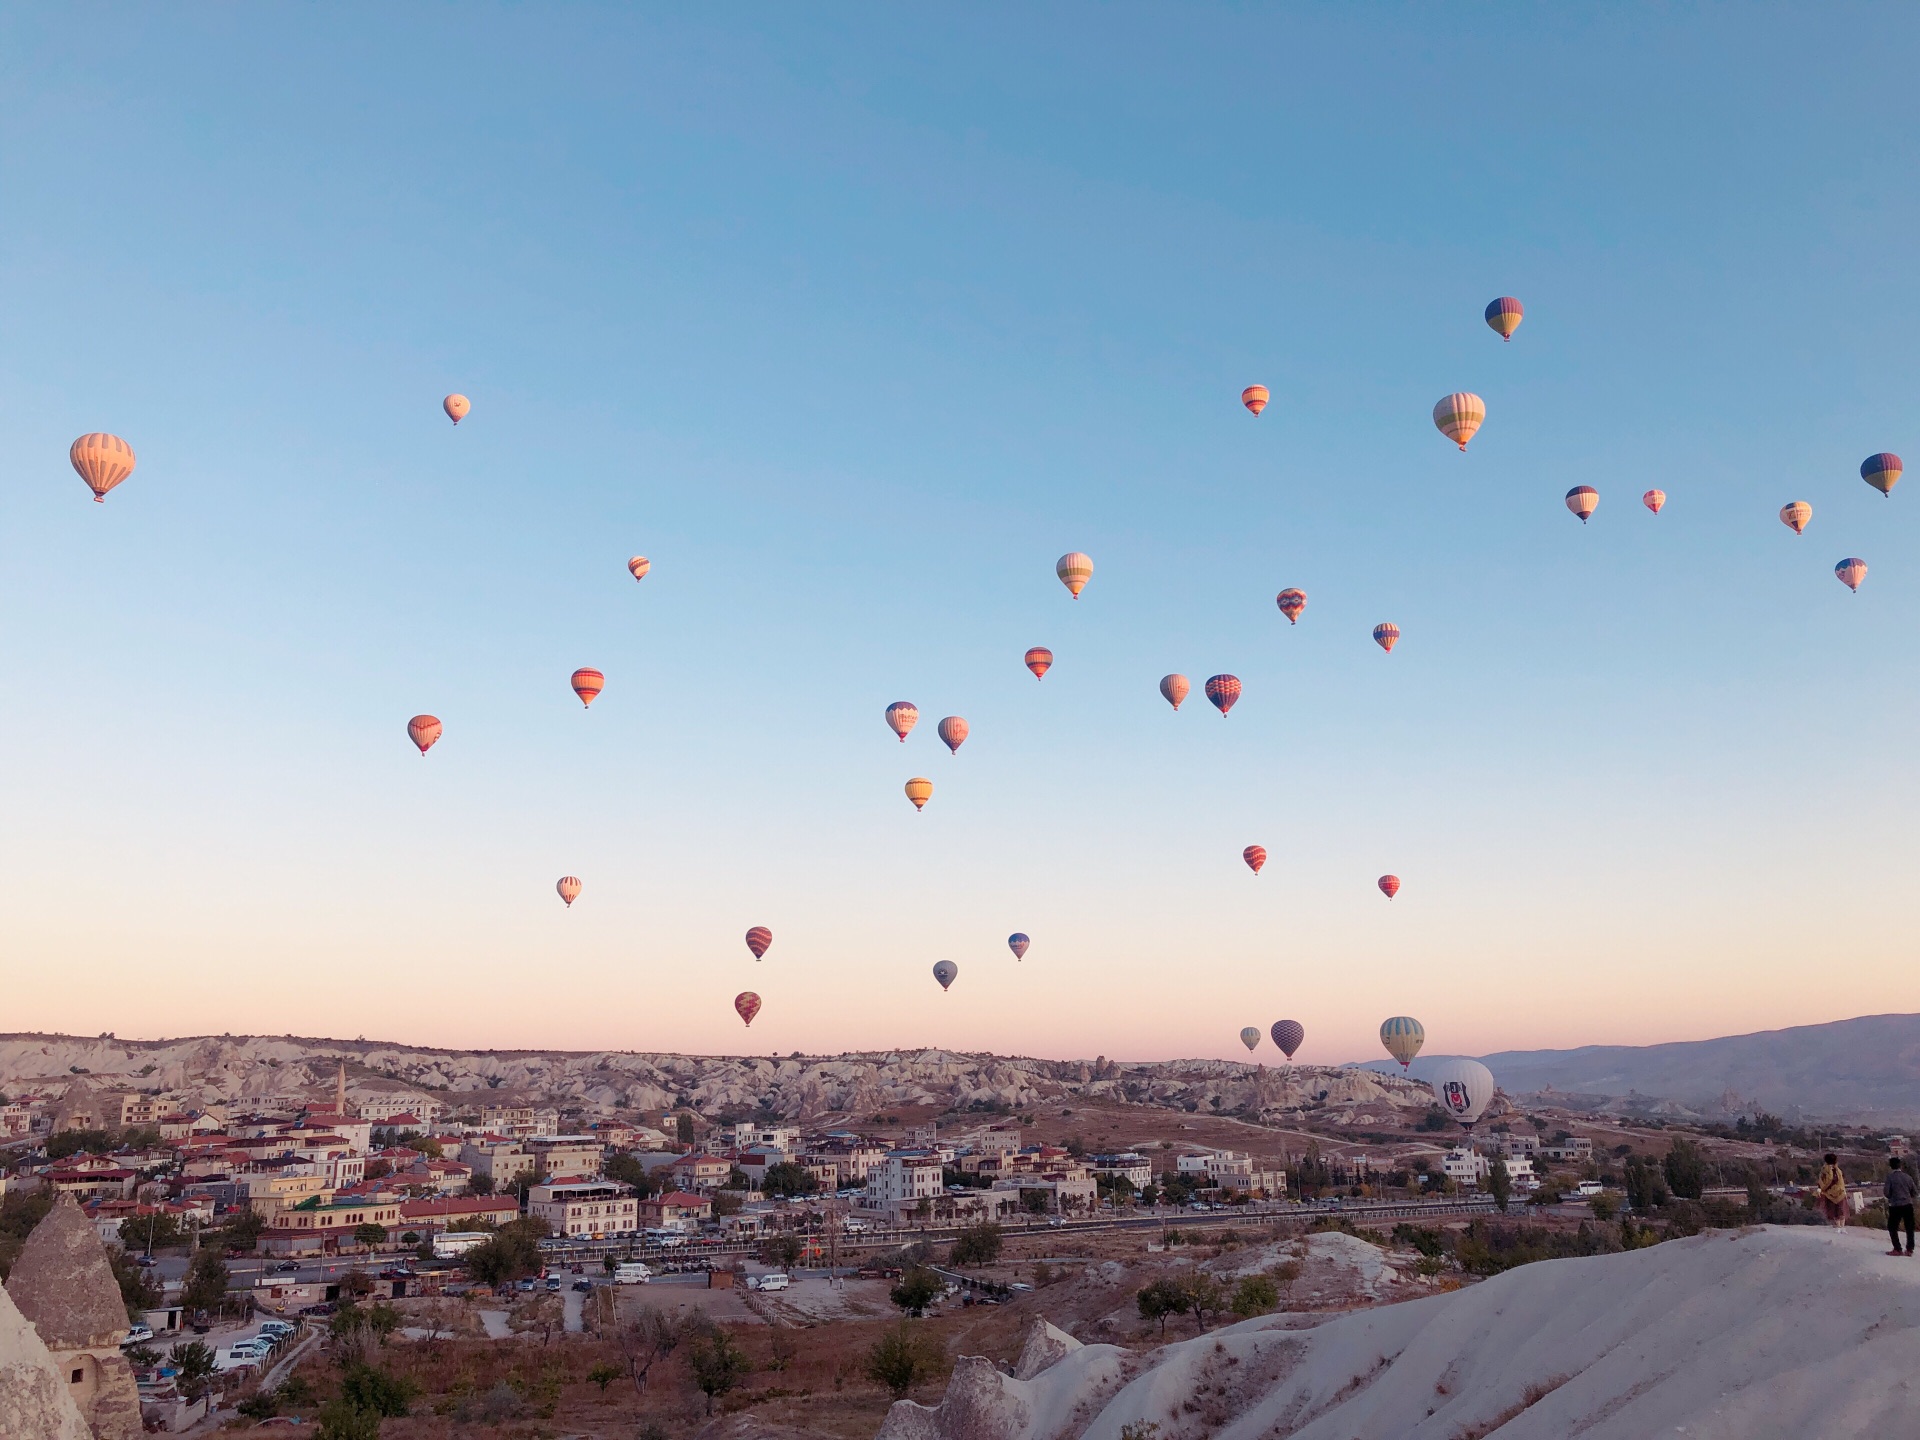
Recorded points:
(1462,1088)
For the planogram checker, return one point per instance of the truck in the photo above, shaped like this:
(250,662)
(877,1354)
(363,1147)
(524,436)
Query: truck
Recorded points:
(632,1272)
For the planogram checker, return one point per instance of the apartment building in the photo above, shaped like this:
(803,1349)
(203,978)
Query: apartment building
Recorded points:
(316,1226)
(496,1157)
(383,1110)
(585,1208)
(1137,1170)
(565,1157)
(457,1212)
(905,1177)
(698,1172)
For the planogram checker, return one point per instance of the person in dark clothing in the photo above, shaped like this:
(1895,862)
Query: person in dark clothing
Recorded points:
(1901,1190)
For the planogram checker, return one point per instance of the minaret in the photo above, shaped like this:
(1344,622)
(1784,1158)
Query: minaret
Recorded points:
(340,1091)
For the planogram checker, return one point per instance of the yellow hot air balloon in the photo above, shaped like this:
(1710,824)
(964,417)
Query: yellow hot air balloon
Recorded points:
(919,790)
(638,566)
(1074,570)
(1459,415)
(102,460)
(456,407)
(1796,515)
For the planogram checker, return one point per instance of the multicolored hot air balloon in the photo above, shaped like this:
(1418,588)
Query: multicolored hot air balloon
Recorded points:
(423,730)
(1654,499)
(953,730)
(1074,570)
(569,888)
(1018,943)
(1796,515)
(902,716)
(1174,689)
(1389,885)
(1039,660)
(1459,416)
(456,407)
(638,567)
(1505,315)
(587,684)
(1288,1035)
(944,971)
(1462,1088)
(746,1005)
(1851,572)
(1223,690)
(919,790)
(1881,471)
(102,460)
(1583,500)
(1292,603)
(1255,856)
(1386,634)
(1254,397)
(1403,1036)
(1250,1037)
(759,941)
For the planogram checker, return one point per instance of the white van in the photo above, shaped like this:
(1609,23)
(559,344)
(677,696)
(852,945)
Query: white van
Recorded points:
(1587,1187)
(632,1272)
(769,1282)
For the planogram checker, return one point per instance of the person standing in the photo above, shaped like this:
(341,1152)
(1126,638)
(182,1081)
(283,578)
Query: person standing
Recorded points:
(1901,1190)
(1831,1188)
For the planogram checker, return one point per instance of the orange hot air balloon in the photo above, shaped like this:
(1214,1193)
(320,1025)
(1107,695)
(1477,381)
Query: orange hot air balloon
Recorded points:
(587,684)
(902,716)
(423,730)
(1459,416)
(1389,885)
(1255,856)
(1654,499)
(638,567)
(953,730)
(759,940)
(747,1005)
(569,888)
(1386,634)
(102,460)
(1174,689)
(1074,570)
(1254,397)
(1583,500)
(919,790)
(1292,603)
(1039,660)
(456,407)
(1796,515)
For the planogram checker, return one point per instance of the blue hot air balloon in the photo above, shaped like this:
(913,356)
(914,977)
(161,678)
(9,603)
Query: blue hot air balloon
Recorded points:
(1018,943)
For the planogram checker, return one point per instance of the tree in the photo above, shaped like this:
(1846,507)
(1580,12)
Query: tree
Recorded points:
(340,1420)
(1757,1196)
(1685,1168)
(241,1231)
(73,1142)
(378,1170)
(1646,1183)
(651,1335)
(193,1363)
(717,1365)
(512,1253)
(898,1361)
(787,1178)
(1499,1183)
(976,1245)
(369,1387)
(628,1170)
(918,1289)
(480,1183)
(1036,1202)
(206,1287)
(603,1375)
(1204,1298)
(1150,1195)
(727,1202)
(782,1250)
(153,1231)
(1160,1299)
(683,1128)
(370,1234)
(1254,1295)
(138,1288)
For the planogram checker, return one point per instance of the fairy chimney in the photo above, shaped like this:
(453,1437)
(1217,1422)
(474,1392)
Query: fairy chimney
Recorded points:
(34,1403)
(63,1284)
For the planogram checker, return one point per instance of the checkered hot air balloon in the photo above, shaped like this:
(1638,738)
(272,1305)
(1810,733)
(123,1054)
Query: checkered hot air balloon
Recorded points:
(1583,500)
(902,716)
(423,730)
(1074,570)
(747,1005)
(1851,572)
(1254,397)
(1386,635)
(1288,1035)
(1505,315)
(1459,416)
(1255,856)
(1018,943)
(1292,603)
(1389,885)
(1250,1037)
(759,941)
(569,888)
(102,460)
(954,731)
(1881,471)
(1796,515)
(1223,690)
(1174,689)
(587,684)
(1039,660)
(1403,1036)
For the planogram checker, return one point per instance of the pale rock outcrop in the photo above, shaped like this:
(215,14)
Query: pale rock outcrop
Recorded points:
(64,1286)
(34,1403)
(1045,1347)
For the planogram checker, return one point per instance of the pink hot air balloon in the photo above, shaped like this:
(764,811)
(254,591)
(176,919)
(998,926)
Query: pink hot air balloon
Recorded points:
(953,730)
(1255,856)
(102,460)
(1039,660)
(1583,500)
(456,407)
(1223,690)
(902,716)
(759,940)
(569,888)
(1386,635)
(1174,689)
(1389,885)
(1654,499)
(1292,604)
(423,730)
(1851,572)
(587,684)
(747,1005)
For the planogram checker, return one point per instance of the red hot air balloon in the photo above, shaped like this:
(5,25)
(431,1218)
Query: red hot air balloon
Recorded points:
(1654,499)
(1223,690)
(1039,660)
(587,684)
(1292,603)
(1254,397)
(902,716)
(746,1005)
(423,730)
(1255,856)
(1583,500)
(953,730)
(102,460)
(1386,634)
(1504,315)
(759,939)
(1389,885)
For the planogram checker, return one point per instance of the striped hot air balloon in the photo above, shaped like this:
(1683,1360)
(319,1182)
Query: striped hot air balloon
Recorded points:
(953,730)
(1386,635)
(587,684)
(423,730)
(456,407)
(945,971)
(1255,856)
(1250,1037)
(1403,1036)
(1389,885)
(746,1005)
(1288,1035)
(1504,315)
(1018,943)
(102,460)
(1881,471)
(1459,416)
(759,941)
(902,716)
(1174,689)
(1074,570)
(1851,572)
(1223,690)
(1583,500)
(638,567)
(1254,397)
(1292,603)
(919,790)
(569,888)
(1039,660)
(1796,515)
(1654,499)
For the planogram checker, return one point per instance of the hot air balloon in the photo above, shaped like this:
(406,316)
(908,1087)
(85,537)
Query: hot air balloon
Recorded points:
(456,407)
(1583,500)
(1385,634)
(1174,689)
(1881,471)
(1463,1088)
(1504,315)
(1018,943)
(1459,415)
(1796,515)
(1288,1035)
(1403,1037)
(747,1005)
(1254,397)
(639,565)
(1250,1037)
(1389,885)
(902,716)
(1223,690)
(423,730)
(919,790)
(1255,856)
(944,971)
(759,941)
(102,460)
(1851,572)
(1654,499)
(1292,604)
(1074,570)
(1039,660)
(587,684)
(569,888)
(953,730)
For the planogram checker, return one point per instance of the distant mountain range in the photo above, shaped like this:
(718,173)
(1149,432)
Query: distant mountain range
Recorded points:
(1865,1070)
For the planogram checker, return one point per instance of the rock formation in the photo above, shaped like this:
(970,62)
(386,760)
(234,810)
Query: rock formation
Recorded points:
(63,1284)
(34,1403)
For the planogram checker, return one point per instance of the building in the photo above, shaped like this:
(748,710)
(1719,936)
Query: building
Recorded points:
(268,1195)
(566,1156)
(906,1177)
(853,1160)
(130,1108)
(314,1225)
(698,1172)
(1247,1176)
(64,1285)
(403,1111)
(15,1119)
(496,1157)
(675,1210)
(1137,1170)
(585,1208)
(1465,1167)
(93,1177)
(1575,1150)
(456,1212)
(784,1138)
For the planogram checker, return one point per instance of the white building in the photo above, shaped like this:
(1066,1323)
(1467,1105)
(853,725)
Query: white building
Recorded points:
(565,1157)
(1136,1169)
(589,1208)
(381,1108)
(496,1157)
(905,1177)
(1465,1167)
(784,1138)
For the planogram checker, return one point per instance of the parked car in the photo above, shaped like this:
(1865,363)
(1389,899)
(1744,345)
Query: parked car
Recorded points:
(553,1282)
(286,1267)
(146,1262)
(527,1287)
(583,1285)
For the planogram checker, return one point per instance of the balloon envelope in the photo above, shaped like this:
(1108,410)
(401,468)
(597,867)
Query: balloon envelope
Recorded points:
(456,407)
(639,565)
(1462,1088)
(1459,416)
(423,730)
(1074,570)
(1654,499)
(953,730)
(1250,1037)
(1255,856)
(1389,885)
(1504,315)
(1385,635)
(1223,690)
(587,684)
(1174,689)
(1288,1034)
(902,716)
(1583,500)
(944,971)
(1881,471)
(1292,603)
(102,460)
(1018,943)
(1039,660)
(1403,1036)
(747,1005)
(1851,572)
(1796,515)
(919,790)
(759,940)
(569,888)
(1254,397)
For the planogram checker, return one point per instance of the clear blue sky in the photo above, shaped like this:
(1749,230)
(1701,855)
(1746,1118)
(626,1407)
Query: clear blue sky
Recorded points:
(853,319)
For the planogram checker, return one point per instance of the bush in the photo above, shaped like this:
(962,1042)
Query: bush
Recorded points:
(367,1387)
(978,1245)
(343,1421)
(898,1361)
(1254,1295)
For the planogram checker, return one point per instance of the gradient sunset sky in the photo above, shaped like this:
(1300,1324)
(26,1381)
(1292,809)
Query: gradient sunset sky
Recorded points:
(853,319)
